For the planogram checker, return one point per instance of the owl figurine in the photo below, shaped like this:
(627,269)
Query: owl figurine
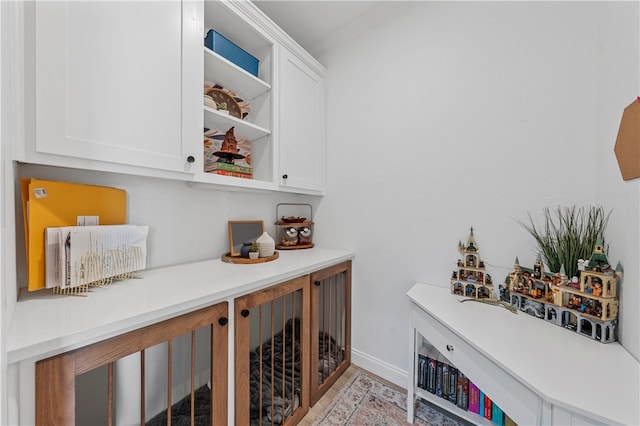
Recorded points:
(304,235)
(290,237)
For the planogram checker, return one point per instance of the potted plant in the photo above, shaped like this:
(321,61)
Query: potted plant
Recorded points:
(567,235)
(254,251)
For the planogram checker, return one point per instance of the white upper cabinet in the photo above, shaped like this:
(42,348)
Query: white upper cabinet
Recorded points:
(232,20)
(286,124)
(118,86)
(301,131)
(110,84)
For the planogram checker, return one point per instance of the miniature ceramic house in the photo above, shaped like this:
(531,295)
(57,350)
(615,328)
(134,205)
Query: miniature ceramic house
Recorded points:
(470,278)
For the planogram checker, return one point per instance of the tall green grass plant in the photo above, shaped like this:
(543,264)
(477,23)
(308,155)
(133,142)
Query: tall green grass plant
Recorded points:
(567,234)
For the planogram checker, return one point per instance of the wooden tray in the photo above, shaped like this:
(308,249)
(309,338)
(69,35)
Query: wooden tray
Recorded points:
(296,247)
(245,260)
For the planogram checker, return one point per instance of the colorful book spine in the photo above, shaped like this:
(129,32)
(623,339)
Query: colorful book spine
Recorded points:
(487,407)
(230,167)
(497,415)
(474,398)
(439,372)
(234,174)
(437,376)
(453,385)
(446,371)
(432,367)
(508,421)
(422,371)
(462,386)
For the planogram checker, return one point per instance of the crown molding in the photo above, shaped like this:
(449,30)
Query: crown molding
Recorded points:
(368,20)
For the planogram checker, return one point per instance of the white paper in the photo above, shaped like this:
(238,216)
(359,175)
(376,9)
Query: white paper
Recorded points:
(52,258)
(91,254)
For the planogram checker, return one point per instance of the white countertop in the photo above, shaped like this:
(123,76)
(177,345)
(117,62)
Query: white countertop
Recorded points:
(564,368)
(44,324)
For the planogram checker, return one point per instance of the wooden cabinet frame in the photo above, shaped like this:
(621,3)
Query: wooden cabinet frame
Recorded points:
(243,305)
(306,298)
(332,284)
(56,376)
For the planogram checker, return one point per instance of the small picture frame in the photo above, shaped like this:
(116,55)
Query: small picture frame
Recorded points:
(241,231)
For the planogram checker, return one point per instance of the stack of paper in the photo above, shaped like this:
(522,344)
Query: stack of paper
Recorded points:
(94,255)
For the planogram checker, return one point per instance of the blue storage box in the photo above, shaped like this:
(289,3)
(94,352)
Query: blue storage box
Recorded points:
(228,50)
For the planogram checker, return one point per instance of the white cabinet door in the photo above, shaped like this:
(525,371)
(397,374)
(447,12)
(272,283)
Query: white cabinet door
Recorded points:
(301,130)
(109,83)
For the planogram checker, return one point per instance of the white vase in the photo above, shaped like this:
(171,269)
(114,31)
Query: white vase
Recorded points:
(266,245)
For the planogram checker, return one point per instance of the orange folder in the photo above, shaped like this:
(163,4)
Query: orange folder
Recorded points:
(51,203)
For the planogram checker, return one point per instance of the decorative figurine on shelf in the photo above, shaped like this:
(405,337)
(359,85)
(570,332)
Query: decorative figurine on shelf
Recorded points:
(229,149)
(586,304)
(470,278)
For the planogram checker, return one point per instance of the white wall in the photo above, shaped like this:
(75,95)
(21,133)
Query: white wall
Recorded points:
(186,224)
(460,114)
(449,115)
(619,67)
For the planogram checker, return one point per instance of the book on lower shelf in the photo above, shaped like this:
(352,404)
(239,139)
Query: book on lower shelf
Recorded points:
(497,416)
(446,380)
(453,385)
(462,391)
(488,404)
(474,398)
(228,167)
(229,173)
(437,375)
(422,371)
(432,367)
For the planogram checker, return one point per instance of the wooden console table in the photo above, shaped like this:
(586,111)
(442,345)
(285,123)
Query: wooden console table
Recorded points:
(538,373)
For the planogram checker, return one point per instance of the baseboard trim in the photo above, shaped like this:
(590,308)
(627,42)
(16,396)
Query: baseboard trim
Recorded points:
(380,368)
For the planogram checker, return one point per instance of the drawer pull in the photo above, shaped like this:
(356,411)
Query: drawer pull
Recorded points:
(450,348)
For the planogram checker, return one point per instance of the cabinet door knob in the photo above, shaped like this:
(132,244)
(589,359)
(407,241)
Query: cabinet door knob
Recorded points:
(450,348)
(285,176)
(317,283)
(223,321)
(191,159)
(244,313)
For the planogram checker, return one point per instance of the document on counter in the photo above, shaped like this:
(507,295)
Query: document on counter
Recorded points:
(81,255)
